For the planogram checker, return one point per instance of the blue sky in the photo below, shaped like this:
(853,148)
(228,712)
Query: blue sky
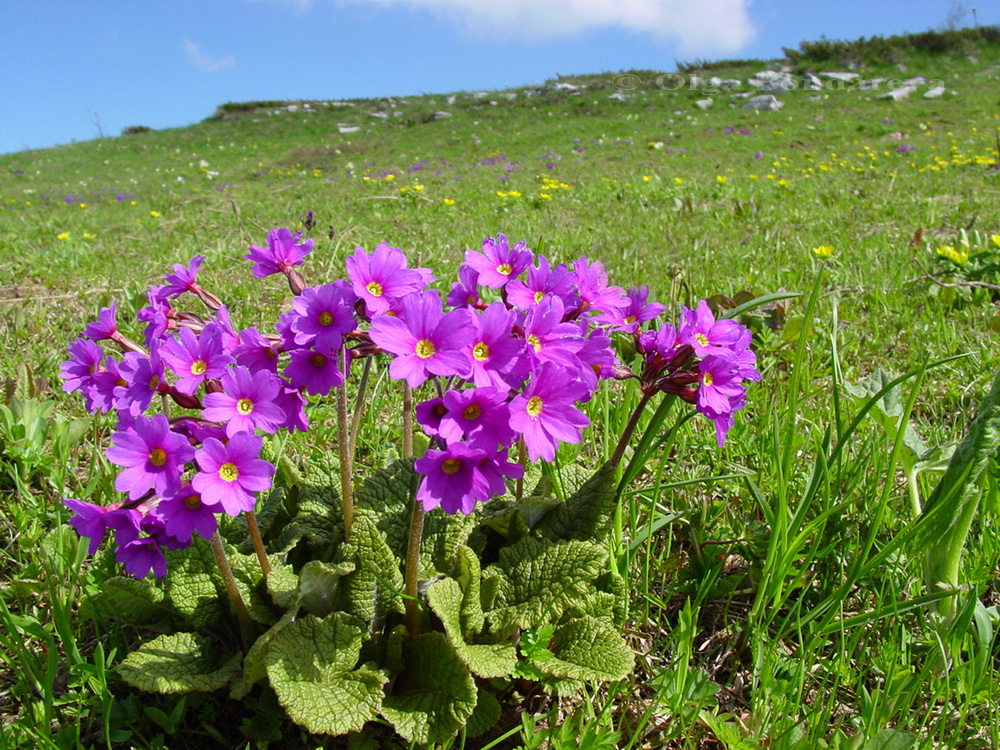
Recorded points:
(74,69)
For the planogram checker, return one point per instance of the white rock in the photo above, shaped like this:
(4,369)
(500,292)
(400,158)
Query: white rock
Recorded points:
(915,81)
(730,83)
(379,115)
(847,77)
(897,95)
(934,93)
(764,103)
(703,103)
(619,96)
(871,84)
(811,82)
(451,99)
(563,86)
(345,129)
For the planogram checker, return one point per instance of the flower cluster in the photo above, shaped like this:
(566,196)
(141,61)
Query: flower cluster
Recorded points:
(513,350)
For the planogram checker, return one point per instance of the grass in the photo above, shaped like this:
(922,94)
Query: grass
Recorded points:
(776,595)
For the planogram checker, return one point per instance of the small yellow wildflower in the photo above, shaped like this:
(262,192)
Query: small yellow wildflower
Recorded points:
(501,194)
(823,251)
(448,201)
(62,236)
(678,180)
(514,194)
(133,203)
(155,214)
(82,205)
(647,178)
(784,182)
(89,236)
(419,188)
(544,196)
(957,256)
(390,177)
(721,179)
(996,239)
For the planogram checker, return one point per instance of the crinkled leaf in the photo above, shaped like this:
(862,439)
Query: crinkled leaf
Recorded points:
(253,662)
(373,589)
(191,587)
(586,514)
(444,535)
(179,663)
(282,585)
(470,577)
(133,601)
(542,579)
(486,715)
(486,659)
(319,586)
(891,739)
(386,498)
(310,664)
(435,695)
(588,649)
(889,408)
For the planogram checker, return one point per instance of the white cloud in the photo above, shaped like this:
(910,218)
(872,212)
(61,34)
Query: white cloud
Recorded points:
(696,27)
(204,61)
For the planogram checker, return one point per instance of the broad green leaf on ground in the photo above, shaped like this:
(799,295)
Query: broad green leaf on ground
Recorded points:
(485,660)
(541,579)
(282,584)
(586,514)
(486,715)
(435,695)
(373,589)
(469,577)
(588,649)
(191,587)
(180,663)
(130,600)
(319,586)
(386,497)
(311,666)
(891,739)
(253,662)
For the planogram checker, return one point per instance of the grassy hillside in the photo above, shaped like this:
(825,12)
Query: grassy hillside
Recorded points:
(839,195)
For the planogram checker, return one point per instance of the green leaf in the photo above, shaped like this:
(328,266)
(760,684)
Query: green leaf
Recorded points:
(470,577)
(588,649)
(130,600)
(190,586)
(319,586)
(586,514)
(386,499)
(542,579)
(253,663)
(435,695)
(373,590)
(891,739)
(485,660)
(282,585)
(486,715)
(179,663)
(889,408)
(310,664)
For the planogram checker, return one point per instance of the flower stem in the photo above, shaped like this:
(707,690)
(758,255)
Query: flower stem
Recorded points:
(358,401)
(258,543)
(247,629)
(407,421)
(413,569)
(522,457)
(633,422)
(344,448)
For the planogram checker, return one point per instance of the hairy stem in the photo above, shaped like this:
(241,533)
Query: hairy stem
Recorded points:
(413,569)
(247,629)
(407,421)
(346,456)
(258,543)
(633,422)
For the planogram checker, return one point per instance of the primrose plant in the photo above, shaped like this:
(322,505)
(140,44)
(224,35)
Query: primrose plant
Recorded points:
(413,597)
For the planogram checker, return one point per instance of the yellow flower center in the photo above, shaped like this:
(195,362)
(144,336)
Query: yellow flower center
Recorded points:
(701,338)
(374,288)
(534,342)
(534,407)
(539,296)
(228,472)
(318,359)
(325,318)
(193,502)
(707,379)
(425,349)
(198,367)
(244,406)
(629,319)
(157,457)
(154,381)
(472,411)
(505,269)
(451,465)
(481,352)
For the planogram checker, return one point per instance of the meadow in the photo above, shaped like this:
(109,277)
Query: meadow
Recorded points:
(777,586)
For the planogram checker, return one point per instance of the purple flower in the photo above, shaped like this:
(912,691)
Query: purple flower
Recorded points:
(106,326)
(282,252)
(720,382)
(544,413)
(548,338)
(429,415)
(479,416)
(141,556)
(542,282)
(183,279)
(185,513)
(196,359)
(315,371)
(153,457)
(324,314)
(246,402)
(499,263)
(425,340)
(592,285)
(89,521)
(256,352)
(465,291)
(382,278)
(459,476)
(231,472)
(495,356)
(637,312)
(707,336)
(145,376)
(78,371)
